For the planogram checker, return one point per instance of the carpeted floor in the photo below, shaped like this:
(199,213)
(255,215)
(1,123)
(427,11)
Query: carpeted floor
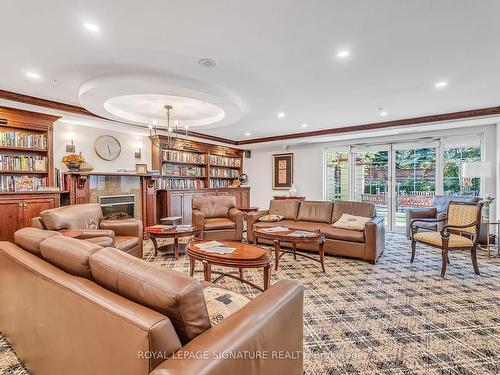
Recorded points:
(388,318)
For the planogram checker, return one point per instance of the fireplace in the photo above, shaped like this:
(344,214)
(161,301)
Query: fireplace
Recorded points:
(116,207)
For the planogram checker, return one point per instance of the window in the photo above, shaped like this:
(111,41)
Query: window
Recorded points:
(453,158)
(337,175)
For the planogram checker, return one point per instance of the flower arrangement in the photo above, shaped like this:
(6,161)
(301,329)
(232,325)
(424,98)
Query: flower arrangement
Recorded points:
(73,161)
(73,158)
(488,200)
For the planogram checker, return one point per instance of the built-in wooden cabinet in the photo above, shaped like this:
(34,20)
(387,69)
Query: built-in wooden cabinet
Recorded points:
(17,210)
(179,202)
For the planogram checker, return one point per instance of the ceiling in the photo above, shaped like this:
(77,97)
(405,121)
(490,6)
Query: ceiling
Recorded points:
(272,56)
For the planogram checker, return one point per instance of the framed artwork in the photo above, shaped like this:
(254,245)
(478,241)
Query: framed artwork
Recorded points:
(141,168)
(282,171)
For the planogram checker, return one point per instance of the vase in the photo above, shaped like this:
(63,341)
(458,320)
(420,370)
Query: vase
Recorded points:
(73,166)
(292,191)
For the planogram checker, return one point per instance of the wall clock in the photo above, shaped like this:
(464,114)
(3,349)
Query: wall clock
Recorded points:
(107,147)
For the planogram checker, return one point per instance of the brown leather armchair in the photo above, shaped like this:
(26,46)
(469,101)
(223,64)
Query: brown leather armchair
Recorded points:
(126,235)
(218,217)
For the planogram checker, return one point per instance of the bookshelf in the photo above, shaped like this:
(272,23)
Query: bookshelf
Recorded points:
(195,169)
(196,165)
(26,162)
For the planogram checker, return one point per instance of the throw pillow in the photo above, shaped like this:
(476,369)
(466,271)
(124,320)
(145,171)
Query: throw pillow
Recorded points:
(271,218)
(222,302)
(351,222)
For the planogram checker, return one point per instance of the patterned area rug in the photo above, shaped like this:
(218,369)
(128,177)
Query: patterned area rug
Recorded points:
(388,318)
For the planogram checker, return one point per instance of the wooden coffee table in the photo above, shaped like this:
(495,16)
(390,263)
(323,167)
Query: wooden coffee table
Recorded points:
(245,256)
(176,247)
(278,237)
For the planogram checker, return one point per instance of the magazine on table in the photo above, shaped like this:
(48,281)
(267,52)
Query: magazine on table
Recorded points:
(215,247)
(301,233)
(184,228)
(275,229)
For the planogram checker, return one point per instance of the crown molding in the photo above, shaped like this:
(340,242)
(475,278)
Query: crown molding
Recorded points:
(481,112)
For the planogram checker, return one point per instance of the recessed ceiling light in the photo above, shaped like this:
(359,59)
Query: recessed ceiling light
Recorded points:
(207,62)
(33,75)
(248,134)
(383,113)
(440,84)
(281,115)
(91,27)
(305,125)
(342,54)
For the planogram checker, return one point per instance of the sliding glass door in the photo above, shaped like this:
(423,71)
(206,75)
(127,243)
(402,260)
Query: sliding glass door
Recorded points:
(371,178)
(414,180)
(399,176)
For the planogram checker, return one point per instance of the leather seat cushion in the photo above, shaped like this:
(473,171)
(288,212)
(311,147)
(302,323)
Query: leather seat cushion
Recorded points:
(125,243)
(218,223)
(171,293)
(287,208)
(315,211)
(434,238)
(81,216)
(306,225)
(69,254)
(214,206)
(268,224)
(343,234)
(101,241)
(29,239)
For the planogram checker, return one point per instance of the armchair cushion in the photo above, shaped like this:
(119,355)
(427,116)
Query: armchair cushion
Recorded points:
(92,233)
(434,238)
(127,227)
(102,241)
(81,216)
(218,223)
(222,302)
(214,206)
(125,243)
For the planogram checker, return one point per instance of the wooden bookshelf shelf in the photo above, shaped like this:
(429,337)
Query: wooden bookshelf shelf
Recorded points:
(26,149)
(22,172)
(182,163)
(175,176)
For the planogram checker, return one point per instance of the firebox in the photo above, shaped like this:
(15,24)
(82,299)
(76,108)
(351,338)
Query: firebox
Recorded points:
(117,206)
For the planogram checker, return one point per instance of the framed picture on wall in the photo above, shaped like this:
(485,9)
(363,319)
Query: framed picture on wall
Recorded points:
(282,171)
(141,168)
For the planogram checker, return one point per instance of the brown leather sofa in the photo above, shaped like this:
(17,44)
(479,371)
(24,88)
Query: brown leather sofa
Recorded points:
(69,306)
(219,218)
(319,215)
(126,235)
(437,211)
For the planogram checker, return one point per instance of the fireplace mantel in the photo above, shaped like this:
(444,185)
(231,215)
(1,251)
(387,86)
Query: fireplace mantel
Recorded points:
(79,186)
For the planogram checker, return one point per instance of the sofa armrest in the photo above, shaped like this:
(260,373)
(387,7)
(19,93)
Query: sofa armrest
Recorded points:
(127,227)
(236,216)
(271,326)
(93,233)
(418,213)
(252,218)
(374,238)
(197,218)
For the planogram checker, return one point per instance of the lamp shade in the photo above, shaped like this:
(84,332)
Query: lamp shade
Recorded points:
(476,169)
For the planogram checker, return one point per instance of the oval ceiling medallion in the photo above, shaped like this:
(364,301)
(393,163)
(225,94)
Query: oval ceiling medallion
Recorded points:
(140,100)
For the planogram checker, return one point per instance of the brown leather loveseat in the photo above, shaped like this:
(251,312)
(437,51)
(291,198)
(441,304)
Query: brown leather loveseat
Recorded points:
(126,235)
(365,244)
(69,306)
(218,217)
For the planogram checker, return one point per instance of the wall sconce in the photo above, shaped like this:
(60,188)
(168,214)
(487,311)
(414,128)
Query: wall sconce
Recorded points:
(138,153)
(71,146)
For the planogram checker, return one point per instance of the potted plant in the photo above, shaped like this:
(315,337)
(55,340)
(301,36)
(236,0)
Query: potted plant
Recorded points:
(73,161)
(486,208)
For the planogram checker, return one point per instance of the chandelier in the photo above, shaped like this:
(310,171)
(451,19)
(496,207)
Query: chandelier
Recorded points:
(174,137)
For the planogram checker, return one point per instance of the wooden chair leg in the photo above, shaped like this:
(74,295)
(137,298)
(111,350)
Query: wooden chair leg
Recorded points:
(473,256)
(413,246)
(444,261)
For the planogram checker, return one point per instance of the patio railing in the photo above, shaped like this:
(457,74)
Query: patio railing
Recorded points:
(416,199)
